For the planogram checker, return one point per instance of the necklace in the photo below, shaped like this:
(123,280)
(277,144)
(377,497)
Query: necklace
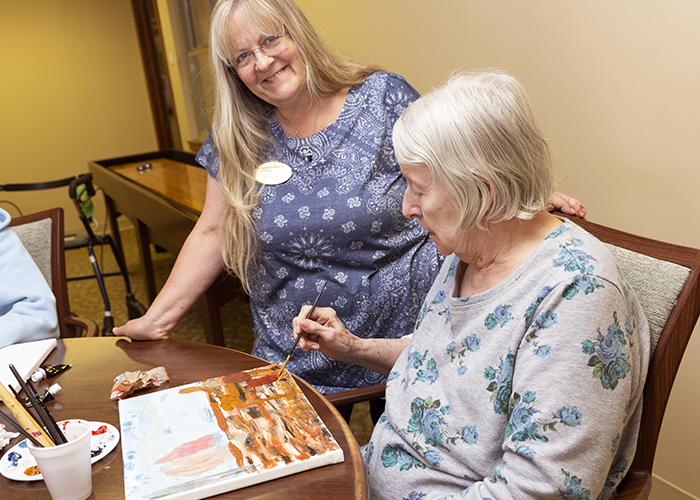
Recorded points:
(309,154)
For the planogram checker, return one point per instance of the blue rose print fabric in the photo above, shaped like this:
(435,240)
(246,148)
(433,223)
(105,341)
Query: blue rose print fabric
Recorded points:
(532,389)
(339,218)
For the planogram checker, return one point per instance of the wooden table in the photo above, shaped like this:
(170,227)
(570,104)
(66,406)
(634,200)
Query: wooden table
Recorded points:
(163,203)
(86,388)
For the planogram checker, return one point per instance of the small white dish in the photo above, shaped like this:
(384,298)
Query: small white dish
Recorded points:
(19,464)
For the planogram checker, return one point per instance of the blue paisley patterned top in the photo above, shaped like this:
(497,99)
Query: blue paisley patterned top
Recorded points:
(532,389)
(339,218)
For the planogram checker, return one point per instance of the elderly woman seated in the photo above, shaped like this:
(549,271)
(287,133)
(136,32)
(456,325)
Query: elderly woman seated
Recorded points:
(27,304)
(524,375)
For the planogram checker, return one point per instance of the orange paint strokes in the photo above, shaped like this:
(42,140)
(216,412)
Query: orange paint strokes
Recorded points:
(236,453)
(256,382)
(265,417)
(229,402)
(32,471)
(190,390)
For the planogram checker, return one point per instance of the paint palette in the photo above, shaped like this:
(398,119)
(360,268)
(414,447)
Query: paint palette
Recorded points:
(19,464)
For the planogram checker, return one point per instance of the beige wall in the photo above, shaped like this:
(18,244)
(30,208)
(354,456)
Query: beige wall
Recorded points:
(72,89)
(616,87)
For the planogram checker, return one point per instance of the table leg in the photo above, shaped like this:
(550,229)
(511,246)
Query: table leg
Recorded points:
(209,308)
(144,244)
(114,226)
(224,288)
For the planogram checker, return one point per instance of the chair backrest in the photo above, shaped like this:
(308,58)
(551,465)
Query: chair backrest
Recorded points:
(665,278)
(42,235)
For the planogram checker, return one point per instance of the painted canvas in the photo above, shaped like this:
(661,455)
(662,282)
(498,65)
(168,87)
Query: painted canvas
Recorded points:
(222,434)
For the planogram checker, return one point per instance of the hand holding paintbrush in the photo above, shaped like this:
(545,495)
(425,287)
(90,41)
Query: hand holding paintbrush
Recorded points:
(296,341)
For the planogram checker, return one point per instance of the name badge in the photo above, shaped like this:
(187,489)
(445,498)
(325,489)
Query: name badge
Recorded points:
(272,173)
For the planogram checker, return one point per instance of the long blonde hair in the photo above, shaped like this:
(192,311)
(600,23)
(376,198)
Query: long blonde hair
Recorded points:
(240,119)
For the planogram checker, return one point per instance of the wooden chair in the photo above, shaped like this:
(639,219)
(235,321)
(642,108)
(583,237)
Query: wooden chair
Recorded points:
(42,235)
(666,280)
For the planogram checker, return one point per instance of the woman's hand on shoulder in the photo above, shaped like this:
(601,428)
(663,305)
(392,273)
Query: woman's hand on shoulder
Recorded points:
(566,204)
(142,329)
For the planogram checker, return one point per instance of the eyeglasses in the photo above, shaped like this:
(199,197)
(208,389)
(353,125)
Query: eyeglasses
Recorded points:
(270,46)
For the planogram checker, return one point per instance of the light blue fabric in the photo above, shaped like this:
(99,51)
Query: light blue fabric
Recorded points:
(27,305)
(532,389)
(339,218)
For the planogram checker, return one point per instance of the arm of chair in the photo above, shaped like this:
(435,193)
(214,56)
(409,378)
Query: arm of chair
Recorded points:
(347,398)
(87,325)
(635,486)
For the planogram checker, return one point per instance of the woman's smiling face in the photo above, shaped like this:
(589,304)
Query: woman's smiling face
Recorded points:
(279,80)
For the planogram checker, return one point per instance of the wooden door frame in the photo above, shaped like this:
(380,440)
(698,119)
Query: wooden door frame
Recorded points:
(145,13)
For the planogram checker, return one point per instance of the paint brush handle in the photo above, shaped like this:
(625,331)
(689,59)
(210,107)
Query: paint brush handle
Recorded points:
(18,427)
(23,417)
(296,340)
(49,423)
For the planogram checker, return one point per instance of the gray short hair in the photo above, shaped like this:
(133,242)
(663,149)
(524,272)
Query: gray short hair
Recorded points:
(478,137)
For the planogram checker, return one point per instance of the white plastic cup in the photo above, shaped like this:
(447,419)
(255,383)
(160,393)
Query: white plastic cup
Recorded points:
(66,468)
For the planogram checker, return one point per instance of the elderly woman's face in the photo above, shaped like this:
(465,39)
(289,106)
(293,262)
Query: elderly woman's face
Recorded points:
(434,209)
(278,79)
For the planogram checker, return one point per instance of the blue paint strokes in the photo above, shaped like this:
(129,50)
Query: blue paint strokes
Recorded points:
(14,458)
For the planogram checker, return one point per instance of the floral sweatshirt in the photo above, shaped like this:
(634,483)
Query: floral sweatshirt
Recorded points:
(532,389)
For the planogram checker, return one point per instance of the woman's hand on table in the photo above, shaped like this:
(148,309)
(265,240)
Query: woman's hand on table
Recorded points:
(142,329)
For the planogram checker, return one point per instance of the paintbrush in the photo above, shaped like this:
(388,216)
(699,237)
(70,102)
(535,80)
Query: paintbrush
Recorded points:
(50,425)
(17,426)
(296,341)
(24,418)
